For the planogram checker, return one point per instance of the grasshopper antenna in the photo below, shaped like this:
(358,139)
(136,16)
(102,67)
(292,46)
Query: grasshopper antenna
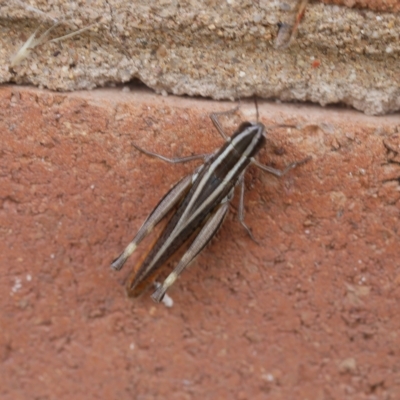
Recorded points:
(239,100)
(256,104)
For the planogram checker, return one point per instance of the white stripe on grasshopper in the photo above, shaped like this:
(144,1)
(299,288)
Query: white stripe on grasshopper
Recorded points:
(188,215)
(171,278)
(129,250)
(230,175)
(206,233)
(211,170)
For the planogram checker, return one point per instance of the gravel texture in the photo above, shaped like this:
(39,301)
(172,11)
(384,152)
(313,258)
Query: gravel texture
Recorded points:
(222,50)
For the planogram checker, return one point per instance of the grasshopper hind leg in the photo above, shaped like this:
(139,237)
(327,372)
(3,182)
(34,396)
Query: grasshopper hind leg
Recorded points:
(205,235)
(167,203)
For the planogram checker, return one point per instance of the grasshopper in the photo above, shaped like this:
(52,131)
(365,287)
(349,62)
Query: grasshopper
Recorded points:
(199,203)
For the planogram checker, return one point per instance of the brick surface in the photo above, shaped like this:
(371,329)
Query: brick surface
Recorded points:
(309,312)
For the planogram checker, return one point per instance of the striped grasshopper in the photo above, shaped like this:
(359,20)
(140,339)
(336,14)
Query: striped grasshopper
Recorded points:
(199,203)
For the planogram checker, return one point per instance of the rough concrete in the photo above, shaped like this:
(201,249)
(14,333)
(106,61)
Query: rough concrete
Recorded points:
(378,5)
(311,312)
(221,50)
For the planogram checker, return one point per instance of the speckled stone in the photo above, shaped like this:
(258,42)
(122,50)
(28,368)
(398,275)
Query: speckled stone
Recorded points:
(222,50)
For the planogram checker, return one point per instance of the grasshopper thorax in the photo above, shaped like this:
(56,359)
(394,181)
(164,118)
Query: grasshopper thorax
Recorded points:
(249,138)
